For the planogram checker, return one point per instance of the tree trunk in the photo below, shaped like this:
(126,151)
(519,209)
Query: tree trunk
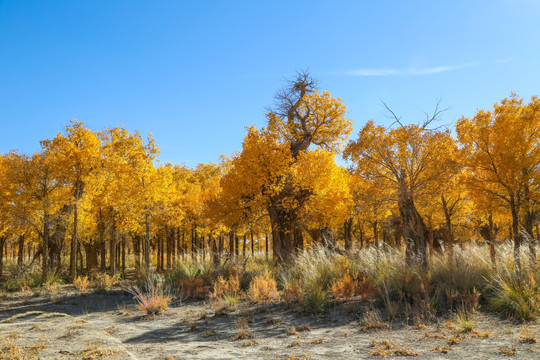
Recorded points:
(214,249)
(135,239)
(231,243)
(375,234)
(415,231)
(236,245)
(282,234)
(147,244)
(244,245)
(45,253)
(516,235)
(91,256)
(449,231)
(266,243)
(20,254)
(252,243)
(193,234)
(74,242)
(2,244)
(112,252)
(347,233)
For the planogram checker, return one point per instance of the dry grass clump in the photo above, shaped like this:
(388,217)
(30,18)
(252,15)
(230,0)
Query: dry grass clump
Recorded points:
(293,292)
(81,284)
(154,298)
(372,321)
(526,336)
(104,282)
(229,287)
(507,351)
(385,347)
(209,333)
(225,294)
(344,288)
(192,288)
(263,289)
(251,342)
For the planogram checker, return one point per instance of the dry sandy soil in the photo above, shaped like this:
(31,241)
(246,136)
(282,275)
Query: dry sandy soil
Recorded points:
(69,325)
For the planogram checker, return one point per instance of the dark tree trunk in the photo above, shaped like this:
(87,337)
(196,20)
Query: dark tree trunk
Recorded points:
(193,239)
(282,223)
(244,245)
(449,233)
(2,245)
(147,244)
(20,254)
(376,234)
(45,251)
(236,245)
(347,233)
(415,230)
(231,243)
(214,249)
(91,256)
(74,242)
(112,246)
(220,246)
(252,243)
(516,235)
(266,243)
(123,255)
(135,239)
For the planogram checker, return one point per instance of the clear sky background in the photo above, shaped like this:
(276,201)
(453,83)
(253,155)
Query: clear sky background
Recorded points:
(196,73)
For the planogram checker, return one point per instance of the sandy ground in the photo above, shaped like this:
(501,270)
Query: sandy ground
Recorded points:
(68,325)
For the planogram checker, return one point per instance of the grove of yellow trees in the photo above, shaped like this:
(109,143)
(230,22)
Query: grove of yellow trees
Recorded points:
(101,200)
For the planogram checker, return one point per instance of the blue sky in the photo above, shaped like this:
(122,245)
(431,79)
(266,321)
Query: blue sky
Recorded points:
(196,73)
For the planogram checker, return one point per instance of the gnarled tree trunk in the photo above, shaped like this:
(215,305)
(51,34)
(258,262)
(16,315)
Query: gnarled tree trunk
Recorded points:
(415,231)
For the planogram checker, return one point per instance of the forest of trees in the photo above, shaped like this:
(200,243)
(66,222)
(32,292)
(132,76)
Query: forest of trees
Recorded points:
(101,198)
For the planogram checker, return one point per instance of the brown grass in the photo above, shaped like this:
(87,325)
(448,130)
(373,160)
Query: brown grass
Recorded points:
(263,289)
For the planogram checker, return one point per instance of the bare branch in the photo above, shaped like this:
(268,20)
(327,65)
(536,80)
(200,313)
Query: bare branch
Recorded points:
(392,115)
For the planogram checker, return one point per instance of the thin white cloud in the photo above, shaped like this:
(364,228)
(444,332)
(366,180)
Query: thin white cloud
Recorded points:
(500,61)
(412,71)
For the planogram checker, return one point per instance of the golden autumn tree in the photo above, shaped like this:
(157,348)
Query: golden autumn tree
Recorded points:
(302,117)
(266,173)
(78,154)
(409,160)
(503,147)
(133,191)
(35,196)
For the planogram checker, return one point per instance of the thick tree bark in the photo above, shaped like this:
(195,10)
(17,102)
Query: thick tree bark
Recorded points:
(91,256)
(282,234)
(415,230)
